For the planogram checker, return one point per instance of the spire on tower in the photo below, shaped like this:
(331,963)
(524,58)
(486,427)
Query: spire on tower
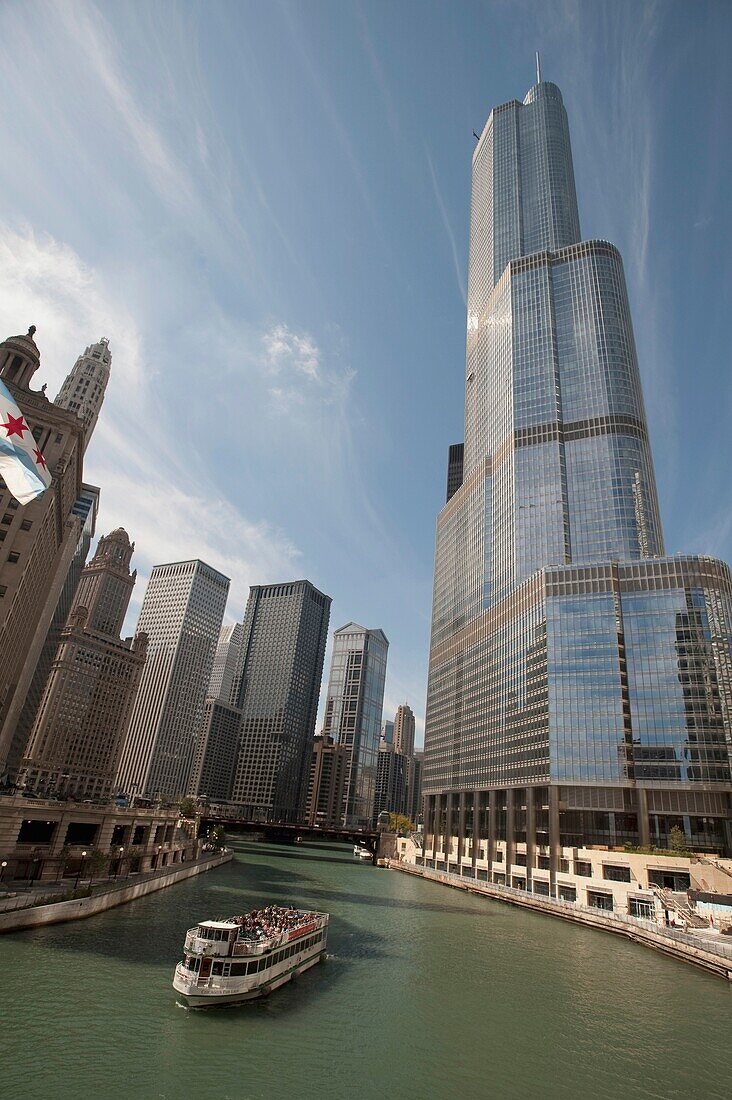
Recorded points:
(538,68)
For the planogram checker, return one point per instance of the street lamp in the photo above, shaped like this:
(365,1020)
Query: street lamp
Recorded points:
(3,865)
(81,869)
(121,855)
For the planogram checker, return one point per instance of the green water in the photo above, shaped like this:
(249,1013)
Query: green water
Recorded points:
(427,993)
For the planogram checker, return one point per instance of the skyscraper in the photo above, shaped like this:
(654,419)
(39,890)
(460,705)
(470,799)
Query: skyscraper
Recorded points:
(392,775)
(353,712)
(404,730)
(77,735)
(37,542)
(571,663)
(226,662)
(181,615)
(285,631)
(83,389)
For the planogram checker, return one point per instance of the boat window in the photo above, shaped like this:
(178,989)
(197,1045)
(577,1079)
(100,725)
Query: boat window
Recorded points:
(217,968)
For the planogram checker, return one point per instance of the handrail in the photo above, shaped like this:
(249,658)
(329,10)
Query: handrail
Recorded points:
(495,890)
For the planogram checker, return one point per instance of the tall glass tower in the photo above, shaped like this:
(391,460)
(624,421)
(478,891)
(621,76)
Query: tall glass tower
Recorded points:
(580,683)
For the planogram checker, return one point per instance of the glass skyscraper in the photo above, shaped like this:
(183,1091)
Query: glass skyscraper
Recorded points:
(580,683)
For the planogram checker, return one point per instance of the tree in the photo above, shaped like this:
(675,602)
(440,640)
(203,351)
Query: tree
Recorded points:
(187,807)
(96,861)
(217,838)
(63,857)
(400,823)
(677,840)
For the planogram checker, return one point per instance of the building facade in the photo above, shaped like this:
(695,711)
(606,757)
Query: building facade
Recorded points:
(392,777)
(353,709)
(217,749)
(37,541)
(86,508)
(414,788)
(580,682)
(181,615)
(82,392)
(404,726)
(328,767)
(226,663)
(76,737)
(285,631)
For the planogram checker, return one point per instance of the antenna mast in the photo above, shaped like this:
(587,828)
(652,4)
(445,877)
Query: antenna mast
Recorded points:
(538,68)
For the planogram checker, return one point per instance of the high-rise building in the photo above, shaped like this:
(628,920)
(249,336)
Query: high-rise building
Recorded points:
(37,541)
(217,747)
(353,709)
(387,732)
(392,775)
(580,682)
(83,389)
(285,631)
(404,730)
(227,660)
(414,788)
(85,508)
(328,766)
(454,469)
(77,735)
(181,615)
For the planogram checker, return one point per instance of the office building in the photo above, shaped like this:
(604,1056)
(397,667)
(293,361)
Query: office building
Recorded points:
(86,508)
(38,541)
(404,730)
(226,663)
(392,775)
(414,788)
(580,681)
(285,631)
(83,389)
(76,738)
(217,748)
(328,767)
(353,709)
(181,614)
(387,732)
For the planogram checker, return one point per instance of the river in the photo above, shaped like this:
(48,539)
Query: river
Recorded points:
(427,993)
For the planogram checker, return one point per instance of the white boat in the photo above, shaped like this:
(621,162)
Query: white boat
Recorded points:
(242,958)
(362,853)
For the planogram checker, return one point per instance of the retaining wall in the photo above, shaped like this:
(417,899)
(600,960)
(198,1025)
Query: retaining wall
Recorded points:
(668,942)
(59,911)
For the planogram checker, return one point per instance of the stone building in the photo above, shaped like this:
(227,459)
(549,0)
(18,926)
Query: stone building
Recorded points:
(328,768)
(37,541)
(84,387)
(76,739)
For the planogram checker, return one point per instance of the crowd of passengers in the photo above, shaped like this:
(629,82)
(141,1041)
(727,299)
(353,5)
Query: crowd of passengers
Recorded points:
(260,924)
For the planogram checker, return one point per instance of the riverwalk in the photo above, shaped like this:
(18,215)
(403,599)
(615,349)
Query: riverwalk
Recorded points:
(708,951)
(23,910)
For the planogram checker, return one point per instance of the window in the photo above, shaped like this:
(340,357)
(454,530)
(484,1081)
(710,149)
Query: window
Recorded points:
(582,868)
(13,505)
(3,590)
(7,519)
(616,874)
(26,524)
(13,557)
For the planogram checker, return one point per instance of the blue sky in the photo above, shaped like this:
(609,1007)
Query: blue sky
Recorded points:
(264,206)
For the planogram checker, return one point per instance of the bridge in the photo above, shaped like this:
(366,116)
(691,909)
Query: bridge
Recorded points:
(285,832)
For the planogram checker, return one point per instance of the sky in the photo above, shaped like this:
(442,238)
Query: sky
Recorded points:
(264,205)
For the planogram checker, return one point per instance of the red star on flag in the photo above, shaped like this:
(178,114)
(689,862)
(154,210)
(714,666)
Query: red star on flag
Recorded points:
(15,426)
(38,455)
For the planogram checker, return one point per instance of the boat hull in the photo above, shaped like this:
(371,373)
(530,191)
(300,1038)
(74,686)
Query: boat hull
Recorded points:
(190,998)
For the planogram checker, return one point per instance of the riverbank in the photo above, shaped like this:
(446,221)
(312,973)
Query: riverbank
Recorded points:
(57,912)
(687,946)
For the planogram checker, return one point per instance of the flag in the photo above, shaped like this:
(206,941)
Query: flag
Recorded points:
(22,464)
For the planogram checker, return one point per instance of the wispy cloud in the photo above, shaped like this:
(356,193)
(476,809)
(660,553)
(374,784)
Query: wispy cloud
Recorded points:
(459,275)
(148,485)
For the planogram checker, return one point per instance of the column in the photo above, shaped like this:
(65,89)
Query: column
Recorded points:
(510,838)
(644,825)
(555,846)
(461,830)
(475,830)
(530,835)
(491,832)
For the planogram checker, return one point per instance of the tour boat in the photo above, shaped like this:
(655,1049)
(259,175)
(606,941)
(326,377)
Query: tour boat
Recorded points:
(241,958)
(362,853)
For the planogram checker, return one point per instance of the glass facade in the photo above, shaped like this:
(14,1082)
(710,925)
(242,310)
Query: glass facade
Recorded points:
(353,708)
(580,686)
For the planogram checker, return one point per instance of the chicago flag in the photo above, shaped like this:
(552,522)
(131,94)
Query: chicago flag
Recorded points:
(22,464)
